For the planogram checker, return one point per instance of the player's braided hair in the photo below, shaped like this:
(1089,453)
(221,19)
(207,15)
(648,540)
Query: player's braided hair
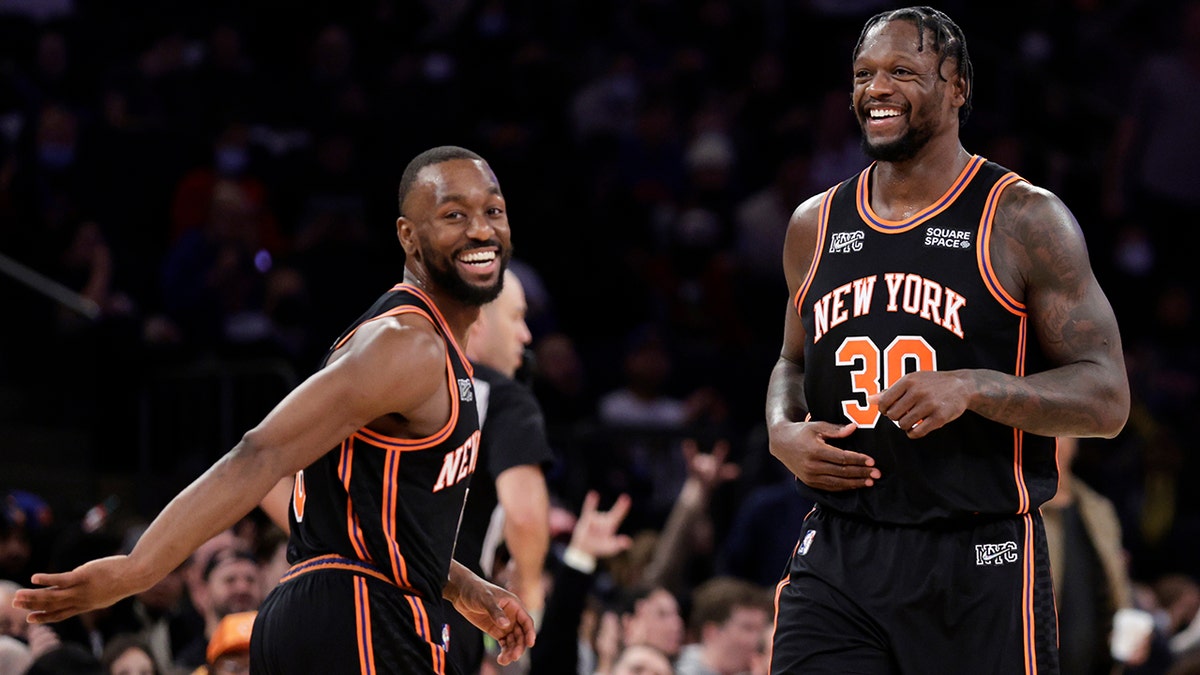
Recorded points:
(948,41)
(443,153)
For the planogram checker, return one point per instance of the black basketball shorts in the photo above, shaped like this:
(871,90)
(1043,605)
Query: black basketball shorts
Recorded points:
(859,597)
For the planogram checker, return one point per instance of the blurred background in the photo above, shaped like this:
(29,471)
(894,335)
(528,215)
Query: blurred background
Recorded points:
(209,189)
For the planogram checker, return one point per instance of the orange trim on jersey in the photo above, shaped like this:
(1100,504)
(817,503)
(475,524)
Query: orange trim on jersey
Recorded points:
(421,623)
(362,627)
(1028,615)
(983,252)
(391,487)
(822,226)
(1023,503)
(354,530)
(441,322)
(407,444)
(897,226)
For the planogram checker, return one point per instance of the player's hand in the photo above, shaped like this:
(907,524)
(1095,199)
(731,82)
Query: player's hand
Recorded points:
(804,450)
(93,585)
(498,613)
(923,401)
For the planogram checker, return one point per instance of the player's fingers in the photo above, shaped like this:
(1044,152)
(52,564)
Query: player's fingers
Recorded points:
(827,430)
(52,616)
(510,652)
(831,455)
(62,579)
(838,484)
(39,599)
(924,427)
(851,471)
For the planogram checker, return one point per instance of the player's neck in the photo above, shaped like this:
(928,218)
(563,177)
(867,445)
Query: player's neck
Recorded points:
(899,189)
(458,315)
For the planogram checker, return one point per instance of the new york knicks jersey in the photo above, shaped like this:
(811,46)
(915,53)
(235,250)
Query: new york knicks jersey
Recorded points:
(885,298)
(391,506)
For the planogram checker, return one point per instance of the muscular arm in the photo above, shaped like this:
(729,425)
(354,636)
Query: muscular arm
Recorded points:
(392,365)
(801,445)
(1040,256)
(1086,392)
(522,491)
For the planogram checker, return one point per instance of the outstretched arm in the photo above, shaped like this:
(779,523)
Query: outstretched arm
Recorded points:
(1041,257)
(392,366)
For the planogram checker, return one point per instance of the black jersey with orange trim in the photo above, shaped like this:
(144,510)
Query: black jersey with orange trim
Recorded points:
(393,503)
(884,298)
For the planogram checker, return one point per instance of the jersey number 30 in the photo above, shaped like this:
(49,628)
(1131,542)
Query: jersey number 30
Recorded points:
(875,370)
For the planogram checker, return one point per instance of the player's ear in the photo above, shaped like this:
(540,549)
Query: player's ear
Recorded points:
(960,90)
(406,232)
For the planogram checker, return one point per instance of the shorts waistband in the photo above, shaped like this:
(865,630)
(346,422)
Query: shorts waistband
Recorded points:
(336,562)
(947,524)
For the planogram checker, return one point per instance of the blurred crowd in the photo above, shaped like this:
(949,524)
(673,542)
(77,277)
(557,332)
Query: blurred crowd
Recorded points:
(219,179)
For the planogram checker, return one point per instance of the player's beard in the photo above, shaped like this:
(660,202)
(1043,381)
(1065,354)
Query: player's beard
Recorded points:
(444,273)
(900,150)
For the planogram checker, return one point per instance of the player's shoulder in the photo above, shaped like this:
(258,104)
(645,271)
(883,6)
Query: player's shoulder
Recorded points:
(809,210)
(1025,209)
(407,344)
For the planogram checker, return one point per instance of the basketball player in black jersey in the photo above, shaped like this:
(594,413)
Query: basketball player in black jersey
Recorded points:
(944,326)
(382,441)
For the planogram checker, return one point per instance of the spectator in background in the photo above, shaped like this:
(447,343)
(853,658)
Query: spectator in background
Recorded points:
(12,620)
(1179,597)
(649,615)
(1091,581)
(128,655)
(728,617)
(231,585)
(14,655)
(641,660)
(67,658)
(229,649)
(594,539)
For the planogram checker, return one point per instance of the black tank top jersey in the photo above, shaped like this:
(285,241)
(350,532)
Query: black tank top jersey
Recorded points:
(884,298)
(386,505)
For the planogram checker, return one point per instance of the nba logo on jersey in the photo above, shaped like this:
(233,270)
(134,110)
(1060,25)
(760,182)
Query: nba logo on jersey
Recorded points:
(465,392)
(806,542)
(845,242)
(445,637)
